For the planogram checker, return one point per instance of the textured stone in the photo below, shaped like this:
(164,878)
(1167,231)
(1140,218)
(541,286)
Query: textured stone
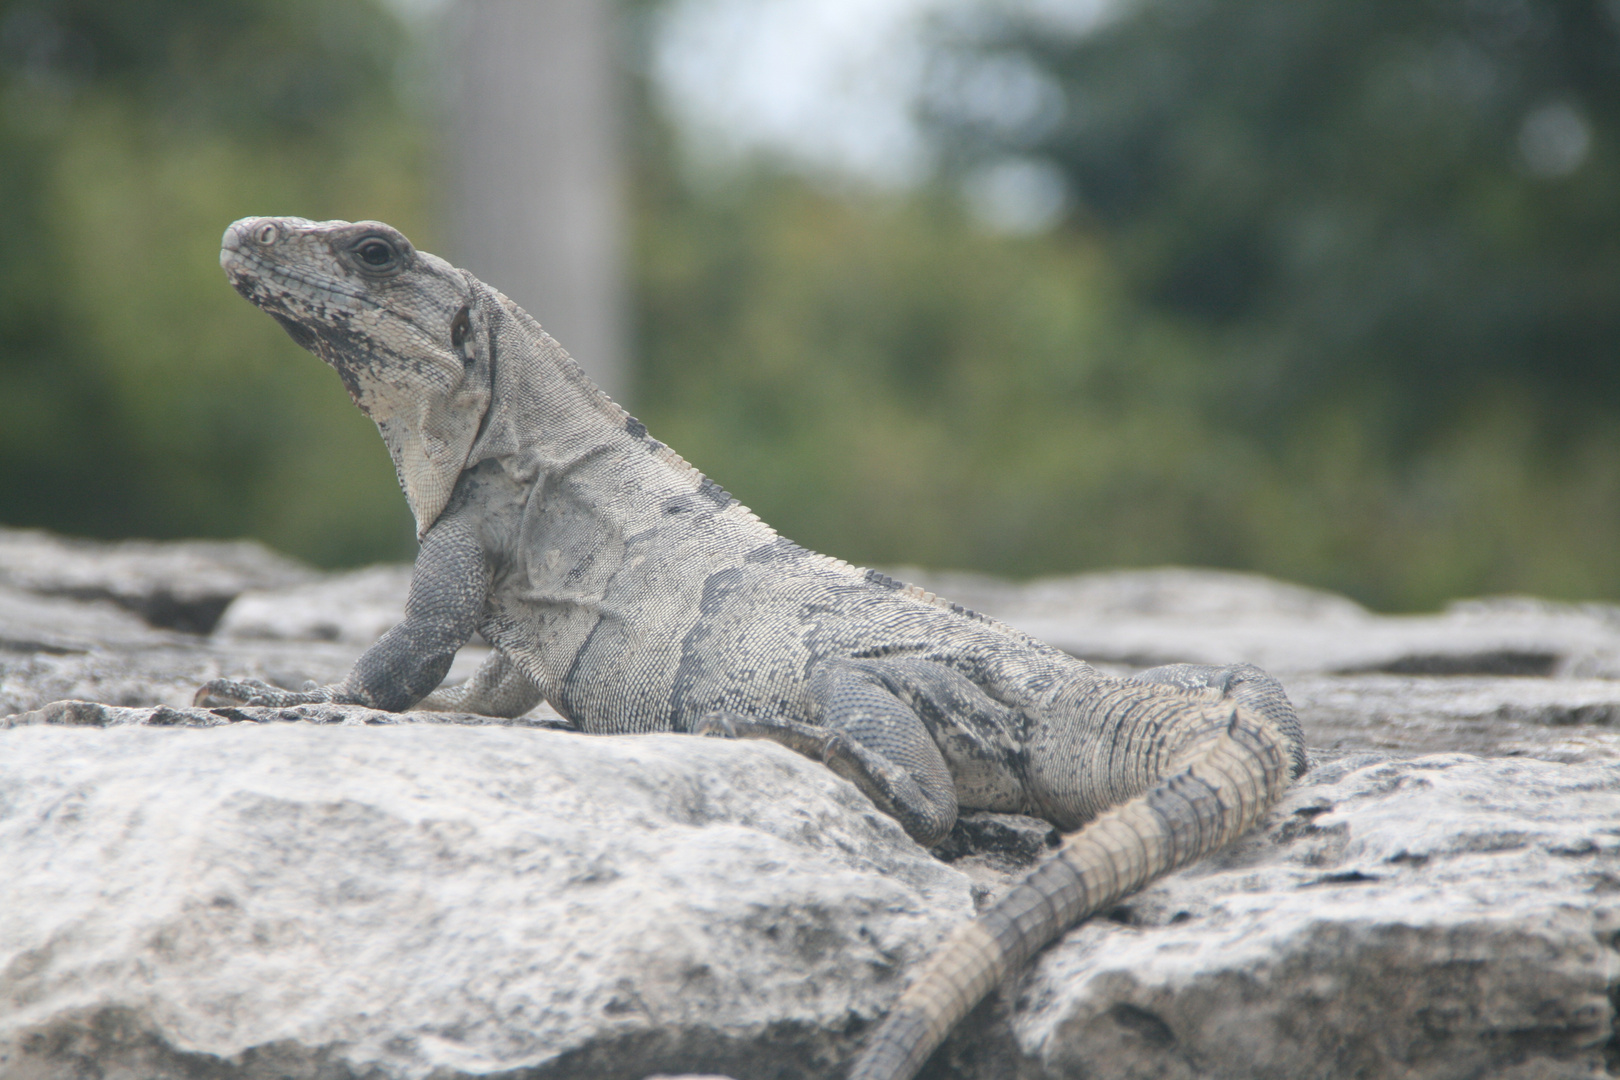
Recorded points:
(298,901)
(1569,720)
(180,586)
(96,714)
(166,672)
(1141,618)
(57,625)
(355,608)
(260,894)
(1444,917)
(397,902)
(72,628)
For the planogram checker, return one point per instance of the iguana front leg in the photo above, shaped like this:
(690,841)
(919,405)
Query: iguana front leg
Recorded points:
(449,585)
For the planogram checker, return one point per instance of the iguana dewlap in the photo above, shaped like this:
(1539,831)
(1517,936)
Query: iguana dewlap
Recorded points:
(633,594)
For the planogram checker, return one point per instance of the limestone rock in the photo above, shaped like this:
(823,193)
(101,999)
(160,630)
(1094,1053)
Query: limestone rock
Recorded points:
(417,899)
(164,668)
(1142,618)
(75,713)
(1569,720)
(57,625)
(181,586)
(119,623)
(332,892)
(1444,917)
(355,608)
(398,902)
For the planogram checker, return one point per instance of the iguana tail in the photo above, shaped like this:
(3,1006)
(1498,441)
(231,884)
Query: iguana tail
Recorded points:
(1220,788)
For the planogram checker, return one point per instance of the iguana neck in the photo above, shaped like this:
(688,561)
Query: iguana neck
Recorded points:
(549,418)
(545,408)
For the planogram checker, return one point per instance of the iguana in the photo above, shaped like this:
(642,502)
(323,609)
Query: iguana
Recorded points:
(619,584)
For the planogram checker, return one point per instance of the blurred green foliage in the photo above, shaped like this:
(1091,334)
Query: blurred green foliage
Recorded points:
(1392,227)
(888,383)
(1336,300)
(1416,196)
(141,396)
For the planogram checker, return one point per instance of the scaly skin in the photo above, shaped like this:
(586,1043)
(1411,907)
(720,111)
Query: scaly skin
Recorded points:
(619,584)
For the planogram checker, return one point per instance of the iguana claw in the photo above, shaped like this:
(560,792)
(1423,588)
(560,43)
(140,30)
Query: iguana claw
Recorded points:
(220,693)
(716,725)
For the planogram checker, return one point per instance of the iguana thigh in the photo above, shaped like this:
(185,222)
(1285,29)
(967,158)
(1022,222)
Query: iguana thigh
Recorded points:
(917,737)
(1242,684)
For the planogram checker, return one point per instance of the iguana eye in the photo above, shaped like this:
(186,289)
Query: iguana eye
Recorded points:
(375,252)
(266,235)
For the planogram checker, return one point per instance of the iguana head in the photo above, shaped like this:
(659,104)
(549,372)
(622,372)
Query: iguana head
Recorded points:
(401,327)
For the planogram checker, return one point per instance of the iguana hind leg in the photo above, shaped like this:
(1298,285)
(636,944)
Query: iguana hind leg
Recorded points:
(871,738)
(1243,684)
(1218,784)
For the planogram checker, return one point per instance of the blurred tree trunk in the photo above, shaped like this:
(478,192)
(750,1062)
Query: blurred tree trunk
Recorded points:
(536,188)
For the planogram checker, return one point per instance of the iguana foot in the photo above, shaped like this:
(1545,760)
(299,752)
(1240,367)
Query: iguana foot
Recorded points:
(219,693)
(807,739)
(891,788)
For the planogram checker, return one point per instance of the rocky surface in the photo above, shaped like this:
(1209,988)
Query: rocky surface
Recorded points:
(344,894)
(82,619)
(1502,676)
(354,609)
(177,586)
(1142,618)
(1441,917)
(421,900)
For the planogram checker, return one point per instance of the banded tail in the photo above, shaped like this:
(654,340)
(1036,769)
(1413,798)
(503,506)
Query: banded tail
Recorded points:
(1219,791)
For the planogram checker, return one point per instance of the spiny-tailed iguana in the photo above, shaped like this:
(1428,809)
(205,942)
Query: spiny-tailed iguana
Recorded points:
(619,584)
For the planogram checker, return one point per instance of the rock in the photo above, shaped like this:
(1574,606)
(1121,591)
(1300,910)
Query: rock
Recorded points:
(179,586)
(996,851)
(56,625)
(1568,720)
(355,608)
(1444,917)
(334,892)
(1143,618)
(1171,592)
(95,714)
(306,901)
(82,619)
(398,902)
(166,675)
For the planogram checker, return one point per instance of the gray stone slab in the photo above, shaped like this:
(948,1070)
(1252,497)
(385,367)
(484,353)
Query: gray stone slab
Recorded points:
(181,585)
(422,900)
(1568,720)
(1443,918)
(1142,618)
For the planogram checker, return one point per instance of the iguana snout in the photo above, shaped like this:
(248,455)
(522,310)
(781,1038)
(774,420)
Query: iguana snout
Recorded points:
(398,325)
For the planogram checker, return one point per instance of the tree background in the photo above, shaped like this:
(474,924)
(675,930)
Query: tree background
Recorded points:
(1332,292)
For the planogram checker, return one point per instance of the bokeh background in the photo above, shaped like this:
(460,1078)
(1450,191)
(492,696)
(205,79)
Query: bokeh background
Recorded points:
(1325,290)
